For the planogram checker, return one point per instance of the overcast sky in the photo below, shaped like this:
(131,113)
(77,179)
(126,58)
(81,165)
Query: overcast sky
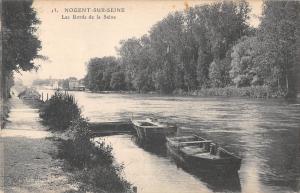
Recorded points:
(69,44)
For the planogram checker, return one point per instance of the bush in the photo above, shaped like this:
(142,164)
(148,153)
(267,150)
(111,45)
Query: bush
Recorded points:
(251,92)
(59,111)
(79,151)
(93,163)
(4,108)
(107,178)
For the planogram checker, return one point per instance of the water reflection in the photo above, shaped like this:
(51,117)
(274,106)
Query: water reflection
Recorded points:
(219,182)
(159,150)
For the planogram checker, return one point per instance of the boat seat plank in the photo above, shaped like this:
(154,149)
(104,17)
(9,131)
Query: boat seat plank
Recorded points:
(193,142)
(206,156)
(192,150)
(184,137)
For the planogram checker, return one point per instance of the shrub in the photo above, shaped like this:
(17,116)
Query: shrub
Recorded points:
(251,92)
(107,178)
(79,151)
(4,108)
(59,111)
(93,163)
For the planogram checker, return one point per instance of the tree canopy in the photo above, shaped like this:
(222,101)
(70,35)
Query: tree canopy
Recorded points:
(20,45)
(213,45)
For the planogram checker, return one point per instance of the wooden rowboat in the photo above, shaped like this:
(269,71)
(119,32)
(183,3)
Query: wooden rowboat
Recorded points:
(200,153)
(151,131)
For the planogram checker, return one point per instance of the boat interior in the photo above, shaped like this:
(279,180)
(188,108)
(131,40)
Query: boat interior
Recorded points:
(143,123)
(200,147)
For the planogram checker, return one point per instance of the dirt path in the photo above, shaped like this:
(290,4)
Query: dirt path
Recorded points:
(26,164)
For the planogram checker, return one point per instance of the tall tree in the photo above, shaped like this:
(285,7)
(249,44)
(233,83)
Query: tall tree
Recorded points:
(297,62)
(118,81)
(277,31)
(216,28)
(99,73)
(243,71)
(167,42)
(20,43)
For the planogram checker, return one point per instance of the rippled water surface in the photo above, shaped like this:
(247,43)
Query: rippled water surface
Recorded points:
(265,133)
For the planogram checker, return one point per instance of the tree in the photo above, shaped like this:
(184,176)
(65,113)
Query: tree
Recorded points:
(166,39)
(118,81)
(94,74)
(20,44)
(99,73)
(216,28)
(277,32)
(297,70)
(144,82)
(243,71)
(219,72)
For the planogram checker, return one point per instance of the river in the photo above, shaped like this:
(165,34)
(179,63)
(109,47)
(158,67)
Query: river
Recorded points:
(265,133)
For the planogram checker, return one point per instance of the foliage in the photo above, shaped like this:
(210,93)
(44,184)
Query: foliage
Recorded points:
(92,162)
(100,72)
(251,92)
(59,111)
(297,63)
(20,45)
(79,151)
(117,81)
(5,107)
(211,46)
(277,33)
(243,70)
(143,81)
(178,51)
(107,178)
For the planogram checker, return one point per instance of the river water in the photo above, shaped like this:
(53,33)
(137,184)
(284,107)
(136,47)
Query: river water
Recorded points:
(265,133)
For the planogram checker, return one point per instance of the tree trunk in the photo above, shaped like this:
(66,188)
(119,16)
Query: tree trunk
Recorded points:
(278,84)
(287,83)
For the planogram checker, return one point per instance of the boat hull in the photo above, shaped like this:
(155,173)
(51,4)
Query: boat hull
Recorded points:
(228,165)
(153,135)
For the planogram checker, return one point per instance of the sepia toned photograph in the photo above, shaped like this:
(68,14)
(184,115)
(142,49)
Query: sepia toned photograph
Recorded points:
(150,96)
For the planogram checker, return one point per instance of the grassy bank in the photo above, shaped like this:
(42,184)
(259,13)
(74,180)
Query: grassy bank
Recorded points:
(248,92)
(92,164)
(4,108)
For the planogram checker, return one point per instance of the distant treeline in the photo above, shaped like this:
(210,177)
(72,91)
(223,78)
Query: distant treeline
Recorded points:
(209,46)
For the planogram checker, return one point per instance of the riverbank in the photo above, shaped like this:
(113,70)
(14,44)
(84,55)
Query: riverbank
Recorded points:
(246,92)
(26,154)
(241,92)
(92,165)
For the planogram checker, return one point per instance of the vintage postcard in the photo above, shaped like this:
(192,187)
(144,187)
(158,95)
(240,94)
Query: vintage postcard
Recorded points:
(163,96)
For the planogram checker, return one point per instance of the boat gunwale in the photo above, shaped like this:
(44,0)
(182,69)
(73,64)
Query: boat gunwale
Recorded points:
(176,144)
(154,126)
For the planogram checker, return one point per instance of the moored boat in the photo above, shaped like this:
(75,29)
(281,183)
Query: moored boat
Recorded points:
(202,154)
(151,131)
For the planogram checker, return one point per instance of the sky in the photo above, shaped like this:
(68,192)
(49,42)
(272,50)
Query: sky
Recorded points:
(70,43)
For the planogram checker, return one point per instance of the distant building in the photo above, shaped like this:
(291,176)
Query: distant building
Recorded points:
(55,85)
(75,84)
